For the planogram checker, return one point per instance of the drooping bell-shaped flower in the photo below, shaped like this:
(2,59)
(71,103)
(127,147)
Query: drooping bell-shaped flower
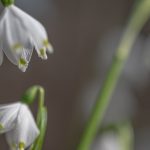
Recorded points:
(18,123)
(8,116)
(108,141)
(20,34)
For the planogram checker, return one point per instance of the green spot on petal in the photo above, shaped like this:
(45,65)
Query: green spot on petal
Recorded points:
(22,64)
(46,43)
(48,46)
(1,127)
(17,46)
(43,53)
(21,146)
(22,61)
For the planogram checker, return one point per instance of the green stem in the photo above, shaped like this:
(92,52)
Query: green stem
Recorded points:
(41,120)
(28,98)
(138,18)
(7,2)
(41,104)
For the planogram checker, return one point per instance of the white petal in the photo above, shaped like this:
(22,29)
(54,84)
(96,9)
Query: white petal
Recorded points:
(15,36)
(20,34)
(25,131)
(24,59)
(8,116)
(1,57)
(36,30)
(1,52)
(108,141)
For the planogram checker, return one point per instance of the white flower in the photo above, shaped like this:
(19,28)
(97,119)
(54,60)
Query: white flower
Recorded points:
(8,116)
(108,141)
(21,127)
(19,35)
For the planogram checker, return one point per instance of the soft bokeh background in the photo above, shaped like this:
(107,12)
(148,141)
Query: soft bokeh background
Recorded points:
(84,34)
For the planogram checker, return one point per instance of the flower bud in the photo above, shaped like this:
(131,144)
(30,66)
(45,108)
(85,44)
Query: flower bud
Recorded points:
(30,95)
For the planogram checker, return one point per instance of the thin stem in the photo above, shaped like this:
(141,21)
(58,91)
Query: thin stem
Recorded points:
(41,104)
(41,120)
(41,96)
(28,98)
(138,18)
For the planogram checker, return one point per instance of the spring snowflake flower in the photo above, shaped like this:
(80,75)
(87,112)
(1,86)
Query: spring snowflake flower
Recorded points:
(20,34)
(108,141)
(8,117)
(18,123)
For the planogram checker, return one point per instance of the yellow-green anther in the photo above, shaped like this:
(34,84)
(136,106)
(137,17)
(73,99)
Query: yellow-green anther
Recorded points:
(21,146)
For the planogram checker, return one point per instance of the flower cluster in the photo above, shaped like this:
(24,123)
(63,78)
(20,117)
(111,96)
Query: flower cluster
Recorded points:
(18,123)
(20,34)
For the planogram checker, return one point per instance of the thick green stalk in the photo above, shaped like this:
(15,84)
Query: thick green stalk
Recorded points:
(136,22)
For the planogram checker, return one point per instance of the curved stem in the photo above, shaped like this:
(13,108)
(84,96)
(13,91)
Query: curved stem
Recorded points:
(28,98)
(41,96)
(41,120)
(138,18)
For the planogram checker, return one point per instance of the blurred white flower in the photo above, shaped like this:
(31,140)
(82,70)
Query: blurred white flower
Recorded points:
(108,141)
(123,104)
(136,71)
(20,35)
(19,122)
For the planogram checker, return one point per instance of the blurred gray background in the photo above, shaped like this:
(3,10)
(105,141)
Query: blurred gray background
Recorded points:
(84,34)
